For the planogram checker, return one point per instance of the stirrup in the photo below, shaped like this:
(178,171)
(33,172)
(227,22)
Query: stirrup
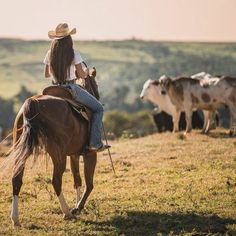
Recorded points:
(99,149)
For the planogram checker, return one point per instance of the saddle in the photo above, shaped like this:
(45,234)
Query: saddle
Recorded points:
(66,94)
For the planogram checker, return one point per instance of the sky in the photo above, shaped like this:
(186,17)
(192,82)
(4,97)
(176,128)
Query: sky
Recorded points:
(159,20)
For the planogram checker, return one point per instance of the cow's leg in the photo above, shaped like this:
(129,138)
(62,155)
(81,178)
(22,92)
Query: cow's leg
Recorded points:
(90,160)
(188,117)
(59,166)
(212,119)
(232,108)
(175,119)
(16,186)
(206,125)
(76,175)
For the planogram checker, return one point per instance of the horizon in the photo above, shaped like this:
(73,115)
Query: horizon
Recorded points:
(121,40)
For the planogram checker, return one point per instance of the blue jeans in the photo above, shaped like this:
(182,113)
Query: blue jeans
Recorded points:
(82,96)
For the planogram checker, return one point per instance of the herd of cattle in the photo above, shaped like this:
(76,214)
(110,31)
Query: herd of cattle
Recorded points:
(198,96)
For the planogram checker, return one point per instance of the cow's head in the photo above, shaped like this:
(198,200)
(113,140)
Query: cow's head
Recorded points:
(149,89)
(165,82)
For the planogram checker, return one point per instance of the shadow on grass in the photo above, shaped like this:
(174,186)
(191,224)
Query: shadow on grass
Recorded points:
(218,134)
(152,223)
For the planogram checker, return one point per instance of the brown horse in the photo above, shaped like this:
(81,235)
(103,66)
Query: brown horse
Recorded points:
(49,123)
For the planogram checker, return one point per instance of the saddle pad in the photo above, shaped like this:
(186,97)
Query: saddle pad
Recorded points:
(79,108)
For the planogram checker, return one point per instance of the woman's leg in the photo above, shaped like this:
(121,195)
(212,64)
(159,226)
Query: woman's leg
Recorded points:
(91,102)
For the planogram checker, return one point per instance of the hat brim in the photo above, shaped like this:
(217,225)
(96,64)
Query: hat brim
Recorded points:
(53,35)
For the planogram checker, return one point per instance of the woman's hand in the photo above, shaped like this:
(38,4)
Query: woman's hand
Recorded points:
(80,72)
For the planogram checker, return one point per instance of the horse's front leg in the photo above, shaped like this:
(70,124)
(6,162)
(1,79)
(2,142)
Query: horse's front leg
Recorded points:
(16,186)
(90,160)
(74,161)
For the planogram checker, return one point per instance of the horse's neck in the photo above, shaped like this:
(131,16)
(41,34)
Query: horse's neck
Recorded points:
(92,87)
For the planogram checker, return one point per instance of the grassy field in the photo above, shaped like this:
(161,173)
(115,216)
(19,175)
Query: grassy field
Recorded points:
(165,184)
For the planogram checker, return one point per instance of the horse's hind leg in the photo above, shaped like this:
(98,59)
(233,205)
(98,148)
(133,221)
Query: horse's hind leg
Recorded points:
(74,161)
(59,167)
(16,186)
(90,160)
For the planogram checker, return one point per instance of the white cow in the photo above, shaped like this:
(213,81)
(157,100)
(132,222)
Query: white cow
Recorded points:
(153,94)
(201,75)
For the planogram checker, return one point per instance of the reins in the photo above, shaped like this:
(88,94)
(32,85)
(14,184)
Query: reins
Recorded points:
(103,128)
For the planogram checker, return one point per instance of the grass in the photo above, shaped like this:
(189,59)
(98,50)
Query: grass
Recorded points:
(164,185)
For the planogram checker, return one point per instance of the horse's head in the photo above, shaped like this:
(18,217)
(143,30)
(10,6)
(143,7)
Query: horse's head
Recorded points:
(91,84)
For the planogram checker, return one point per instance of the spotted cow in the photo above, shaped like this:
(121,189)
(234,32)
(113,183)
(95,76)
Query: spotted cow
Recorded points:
(188,94)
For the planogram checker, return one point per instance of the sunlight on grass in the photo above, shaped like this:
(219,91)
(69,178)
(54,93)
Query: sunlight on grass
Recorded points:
(163,186)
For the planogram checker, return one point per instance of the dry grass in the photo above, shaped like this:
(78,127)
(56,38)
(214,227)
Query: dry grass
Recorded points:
(164,185)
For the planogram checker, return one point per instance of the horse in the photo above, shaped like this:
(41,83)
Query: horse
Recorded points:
(49,123)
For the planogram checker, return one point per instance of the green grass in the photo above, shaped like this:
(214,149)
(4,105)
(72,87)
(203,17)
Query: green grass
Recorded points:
(164,185)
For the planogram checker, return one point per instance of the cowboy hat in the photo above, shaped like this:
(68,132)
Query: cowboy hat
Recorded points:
(62,30)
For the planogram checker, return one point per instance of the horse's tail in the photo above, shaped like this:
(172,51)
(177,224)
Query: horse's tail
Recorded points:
(28,142)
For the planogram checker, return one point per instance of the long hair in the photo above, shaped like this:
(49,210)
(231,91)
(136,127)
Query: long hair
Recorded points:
(61,57)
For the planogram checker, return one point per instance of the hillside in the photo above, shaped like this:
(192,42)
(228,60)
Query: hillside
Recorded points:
(121,65)
(164,185)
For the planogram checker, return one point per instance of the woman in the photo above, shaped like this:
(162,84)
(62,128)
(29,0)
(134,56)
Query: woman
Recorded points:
(61,64)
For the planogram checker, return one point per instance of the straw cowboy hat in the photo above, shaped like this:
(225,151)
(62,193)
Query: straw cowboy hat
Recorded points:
(62,30)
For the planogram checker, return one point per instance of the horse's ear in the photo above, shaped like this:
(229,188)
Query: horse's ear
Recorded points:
(93,72)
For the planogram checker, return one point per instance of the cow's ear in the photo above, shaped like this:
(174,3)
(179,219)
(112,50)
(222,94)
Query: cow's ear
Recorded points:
(166,81)
(155,82)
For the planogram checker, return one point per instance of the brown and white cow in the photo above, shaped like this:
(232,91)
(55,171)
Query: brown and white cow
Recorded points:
(153,92)
(188,94)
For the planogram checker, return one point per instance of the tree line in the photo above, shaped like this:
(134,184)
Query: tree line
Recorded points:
(122,68)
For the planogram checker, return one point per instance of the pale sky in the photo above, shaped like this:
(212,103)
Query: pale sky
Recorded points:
(172,20)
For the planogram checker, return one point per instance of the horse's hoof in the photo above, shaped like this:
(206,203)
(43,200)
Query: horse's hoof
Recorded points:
(16,224)
(75,211)
(69,216)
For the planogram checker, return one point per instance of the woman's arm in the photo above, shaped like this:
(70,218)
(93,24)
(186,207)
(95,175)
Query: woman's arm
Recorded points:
(80,73)
(46,71)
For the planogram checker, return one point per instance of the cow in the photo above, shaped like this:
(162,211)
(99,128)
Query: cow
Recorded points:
(153,92)
(188,94)
(201,75)
(164,122)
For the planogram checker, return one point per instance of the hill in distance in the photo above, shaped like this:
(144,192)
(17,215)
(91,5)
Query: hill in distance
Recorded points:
(120,64)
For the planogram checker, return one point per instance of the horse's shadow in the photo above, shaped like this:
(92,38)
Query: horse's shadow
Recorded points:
(152,223)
